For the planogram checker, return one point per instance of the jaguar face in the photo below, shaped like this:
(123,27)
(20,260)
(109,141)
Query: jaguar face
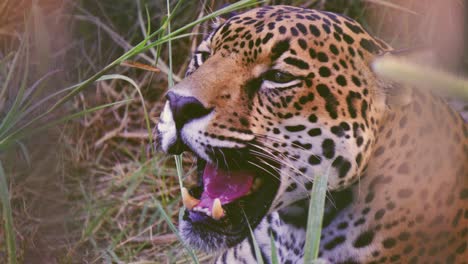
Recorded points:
(272,98)
(238,175)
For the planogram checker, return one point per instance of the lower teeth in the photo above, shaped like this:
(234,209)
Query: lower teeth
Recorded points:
(203,210)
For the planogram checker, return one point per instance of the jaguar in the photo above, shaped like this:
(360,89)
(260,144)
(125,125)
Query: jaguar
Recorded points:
(278,95)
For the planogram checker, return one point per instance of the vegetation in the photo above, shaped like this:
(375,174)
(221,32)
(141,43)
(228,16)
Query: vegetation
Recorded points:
(79,178)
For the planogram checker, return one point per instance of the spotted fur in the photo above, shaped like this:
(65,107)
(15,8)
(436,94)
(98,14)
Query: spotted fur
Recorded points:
(297,84)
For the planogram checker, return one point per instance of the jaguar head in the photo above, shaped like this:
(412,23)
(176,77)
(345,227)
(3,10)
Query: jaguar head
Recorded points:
(272,98)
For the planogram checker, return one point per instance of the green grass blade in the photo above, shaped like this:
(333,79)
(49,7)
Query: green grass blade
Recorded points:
(142,99)
(96,222)
(7,217)
(21,110)
(115,258)
(21,131)
(143,217)
(32,90)
(274,250)
(169,44)
(421,76)
(392,5)
(25,152)
(13,112)
(315,218)
(148,18)
(180,169)
(133,182)
(6,123)
(225,10)
(258,253)
(175,231)
(44,100)
(177,158)
(7,141)
(14,64)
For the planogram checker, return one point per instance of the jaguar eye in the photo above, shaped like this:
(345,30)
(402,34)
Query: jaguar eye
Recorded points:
(278,76)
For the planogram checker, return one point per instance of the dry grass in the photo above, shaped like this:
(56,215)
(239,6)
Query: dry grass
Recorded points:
(93,187)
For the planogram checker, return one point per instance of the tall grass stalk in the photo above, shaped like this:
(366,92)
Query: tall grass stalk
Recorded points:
(175,231)
(178,158)
(258,252)
(422,77)
(7,217)
(274,250)
(6,125)
(142,99)
(315,218)
(389,4)
(170,83)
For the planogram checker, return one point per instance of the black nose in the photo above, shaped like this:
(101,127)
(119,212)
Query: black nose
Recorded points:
(185,108)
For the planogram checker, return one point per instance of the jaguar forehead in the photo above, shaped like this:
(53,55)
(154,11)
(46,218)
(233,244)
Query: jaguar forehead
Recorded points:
(259,27)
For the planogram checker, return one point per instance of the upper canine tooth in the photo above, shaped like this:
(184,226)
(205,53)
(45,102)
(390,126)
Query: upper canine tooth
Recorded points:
(217,211)
(189,201)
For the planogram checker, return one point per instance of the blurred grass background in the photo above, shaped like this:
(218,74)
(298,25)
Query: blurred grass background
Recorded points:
(91,190)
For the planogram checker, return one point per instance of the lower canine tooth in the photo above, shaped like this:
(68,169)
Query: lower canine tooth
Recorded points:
(189,201)
(217,211)
(256,184)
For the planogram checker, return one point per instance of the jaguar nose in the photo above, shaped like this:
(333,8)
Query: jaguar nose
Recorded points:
(185,108)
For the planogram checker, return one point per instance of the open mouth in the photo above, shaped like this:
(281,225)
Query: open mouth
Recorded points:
(235,192)
(221,187)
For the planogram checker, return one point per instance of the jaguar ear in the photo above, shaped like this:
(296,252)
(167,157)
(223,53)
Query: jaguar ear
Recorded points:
(218,21)
(399,94)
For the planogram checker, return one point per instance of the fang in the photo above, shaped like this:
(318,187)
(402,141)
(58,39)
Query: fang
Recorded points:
(189,201)
(217,211)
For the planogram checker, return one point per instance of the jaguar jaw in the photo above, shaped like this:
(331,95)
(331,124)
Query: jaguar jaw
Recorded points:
(225,202)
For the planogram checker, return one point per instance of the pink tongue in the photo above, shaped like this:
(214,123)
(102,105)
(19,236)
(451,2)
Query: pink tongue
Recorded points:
(227,186)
